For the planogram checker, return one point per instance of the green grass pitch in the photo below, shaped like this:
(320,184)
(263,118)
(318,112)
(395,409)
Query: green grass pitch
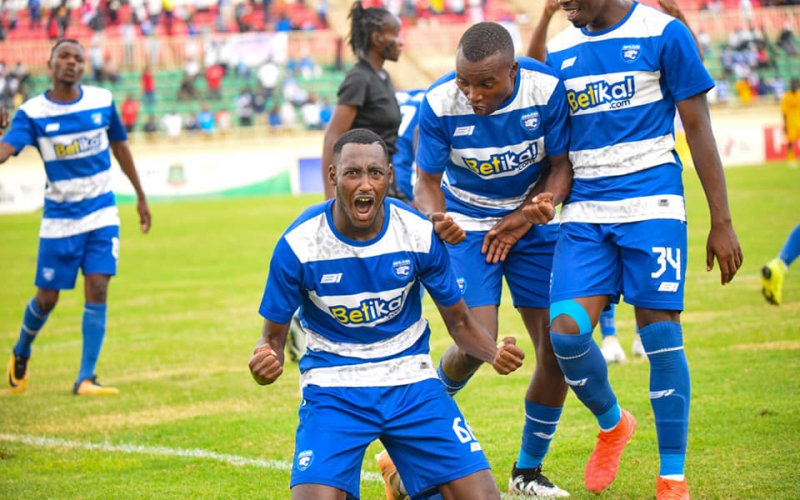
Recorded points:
(183,320)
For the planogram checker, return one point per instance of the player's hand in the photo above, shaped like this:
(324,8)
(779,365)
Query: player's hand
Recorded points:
(4,120)
(540,209)
(144,215)
(550,7)
(723,245)
(446,228)
(670,7)
(265,366)
(508,356)
(503,236)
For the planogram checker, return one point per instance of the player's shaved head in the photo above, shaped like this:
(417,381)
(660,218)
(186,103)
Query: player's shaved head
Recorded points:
(482,40)
(359,136)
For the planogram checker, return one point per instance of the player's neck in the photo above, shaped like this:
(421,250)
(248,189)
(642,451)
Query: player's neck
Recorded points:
(615,12)
(64,93)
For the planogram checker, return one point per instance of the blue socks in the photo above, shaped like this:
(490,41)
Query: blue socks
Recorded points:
(94,330)
(585,370)
(791,249)
(451,386)
(540,426)
(607,324)
(32,321)
(670,392)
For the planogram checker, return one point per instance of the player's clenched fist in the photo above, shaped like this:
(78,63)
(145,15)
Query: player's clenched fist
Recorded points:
(446,228)
(540,209)
(265,365)
(508,356)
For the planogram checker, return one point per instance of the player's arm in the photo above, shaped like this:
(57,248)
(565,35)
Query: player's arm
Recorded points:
(672,8)
(343,117)
(125,159)
(537,47)
(473,339)
(429,199)
(555,188)
(266,363)
(722,242)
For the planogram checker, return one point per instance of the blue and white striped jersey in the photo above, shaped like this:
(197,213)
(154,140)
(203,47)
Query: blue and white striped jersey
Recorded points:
(490,163)
(622,85)
(73,140)
(403,158)
(361,300)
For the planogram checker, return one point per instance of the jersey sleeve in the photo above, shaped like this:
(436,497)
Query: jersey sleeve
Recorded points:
(116,131)
(437,275)
(685,74)
(21,133)
(283,293)
(556,133)
(433,146)
(353,90)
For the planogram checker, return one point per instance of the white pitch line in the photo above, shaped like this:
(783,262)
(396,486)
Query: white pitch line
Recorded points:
(138,449)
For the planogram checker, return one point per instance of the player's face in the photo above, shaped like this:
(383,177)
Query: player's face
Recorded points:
(487,83)
(388,39)
(596,14)
(362,177)
(66,65)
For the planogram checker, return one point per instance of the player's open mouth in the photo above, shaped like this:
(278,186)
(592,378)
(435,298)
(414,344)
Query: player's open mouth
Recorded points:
(572,13)
(363,204)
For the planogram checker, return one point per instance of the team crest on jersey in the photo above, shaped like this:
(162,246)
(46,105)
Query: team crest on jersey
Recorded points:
(304,459)
(631,52)
(401,268)
(48,273)
(97,118)
(530,121)
(462,284)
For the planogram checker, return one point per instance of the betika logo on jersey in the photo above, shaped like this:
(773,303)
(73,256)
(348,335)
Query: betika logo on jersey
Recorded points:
(80,145)
(370,310)
(504,162)
(614,95)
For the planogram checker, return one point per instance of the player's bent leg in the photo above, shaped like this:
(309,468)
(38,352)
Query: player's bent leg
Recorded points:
(479,485)
(393,486)
(456,367)
(93,328)
(318,492)
(670,391)
(585,370)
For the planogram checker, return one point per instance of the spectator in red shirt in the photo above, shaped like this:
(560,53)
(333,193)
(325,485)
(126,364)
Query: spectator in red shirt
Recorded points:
(129,111)
(214,76)
(148,86)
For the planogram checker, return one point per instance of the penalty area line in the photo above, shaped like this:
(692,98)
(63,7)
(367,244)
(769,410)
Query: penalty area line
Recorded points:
(138,449)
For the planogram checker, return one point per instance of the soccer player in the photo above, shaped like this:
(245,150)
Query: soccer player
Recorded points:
(354,265)
(773,272)
(73,126)
(406,145)
(790,109)
(489,133)
(625,67)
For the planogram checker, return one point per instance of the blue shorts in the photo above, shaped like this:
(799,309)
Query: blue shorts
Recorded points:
(95,252)
(419,424)
(644,261)
(526,268)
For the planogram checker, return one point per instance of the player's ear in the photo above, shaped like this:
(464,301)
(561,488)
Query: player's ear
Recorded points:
(514,68)
(332,174)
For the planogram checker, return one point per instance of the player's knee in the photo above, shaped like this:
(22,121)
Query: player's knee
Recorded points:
(97,288)
(46,300)
(569,316)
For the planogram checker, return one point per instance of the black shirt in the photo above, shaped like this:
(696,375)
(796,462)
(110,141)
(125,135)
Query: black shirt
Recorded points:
(373,94)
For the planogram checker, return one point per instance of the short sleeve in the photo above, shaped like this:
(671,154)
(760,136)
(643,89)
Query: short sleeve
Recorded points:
(556,133)
(433,146)
(21,133)
(283,293)
(353,90)
(116,131)
(437,275)
(685,74)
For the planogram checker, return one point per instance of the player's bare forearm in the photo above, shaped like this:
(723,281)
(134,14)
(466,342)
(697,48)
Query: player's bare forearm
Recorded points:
(428,194)
(537,48)
(266,362)
(559,178)
(123,155)
(468,334)
(6,151)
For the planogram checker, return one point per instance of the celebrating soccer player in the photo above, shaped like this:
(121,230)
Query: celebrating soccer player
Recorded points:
(354,265)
